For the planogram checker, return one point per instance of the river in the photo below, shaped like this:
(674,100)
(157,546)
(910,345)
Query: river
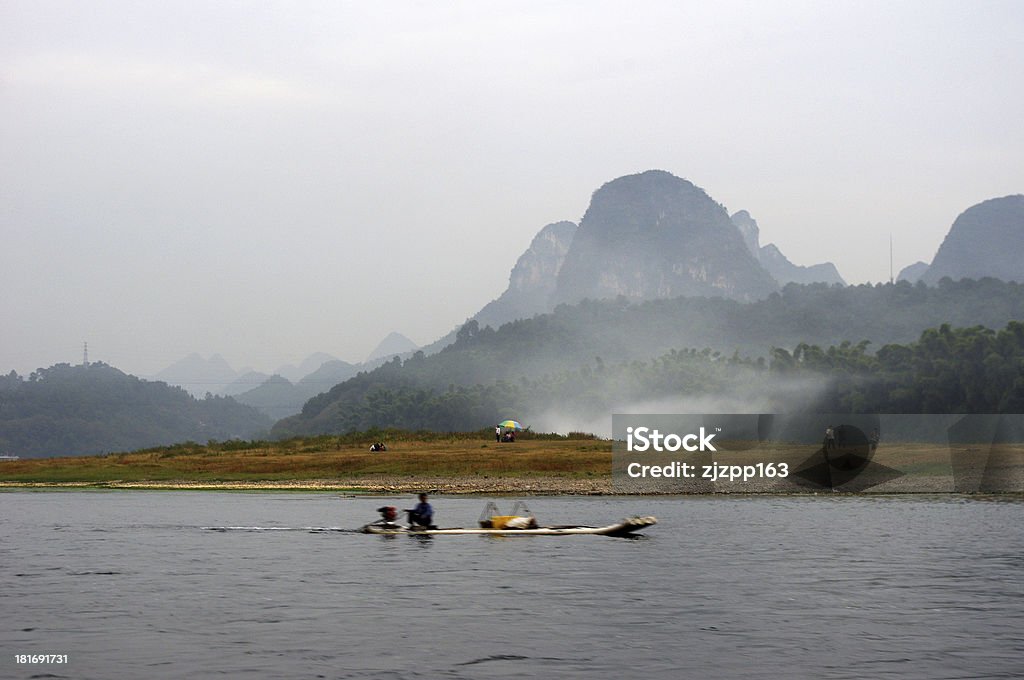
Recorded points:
(125,584)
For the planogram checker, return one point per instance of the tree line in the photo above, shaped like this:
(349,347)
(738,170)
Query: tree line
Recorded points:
(946,370)
(536,351)
(70,410)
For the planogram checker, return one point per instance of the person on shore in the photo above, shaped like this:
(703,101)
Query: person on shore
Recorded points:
(422,515)
(497,433)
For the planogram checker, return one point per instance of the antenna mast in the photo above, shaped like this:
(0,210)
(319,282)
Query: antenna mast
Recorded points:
(85,354)
(890,258)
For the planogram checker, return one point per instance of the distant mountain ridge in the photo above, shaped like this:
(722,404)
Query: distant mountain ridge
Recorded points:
(987,239)
(308,365)
(244,382)
(646,236)
(279,398)
(283,393)
(198,375)
(912,273)
(394,343)
(777,264)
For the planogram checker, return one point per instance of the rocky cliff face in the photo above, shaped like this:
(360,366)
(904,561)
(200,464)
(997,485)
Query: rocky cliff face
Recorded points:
(531,284)
(654,235)
(749,230)
(985,240)
(650,235)
(777,264)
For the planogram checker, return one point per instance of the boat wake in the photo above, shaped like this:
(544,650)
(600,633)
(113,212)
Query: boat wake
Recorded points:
(311,530)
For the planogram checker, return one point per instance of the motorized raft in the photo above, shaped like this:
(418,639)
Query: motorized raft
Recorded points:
(521,522)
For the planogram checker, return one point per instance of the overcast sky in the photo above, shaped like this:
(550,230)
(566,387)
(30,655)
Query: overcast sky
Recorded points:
(266,180)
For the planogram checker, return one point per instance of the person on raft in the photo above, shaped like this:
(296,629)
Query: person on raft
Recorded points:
(422,515)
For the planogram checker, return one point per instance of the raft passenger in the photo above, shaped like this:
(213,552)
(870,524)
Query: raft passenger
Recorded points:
(422,515)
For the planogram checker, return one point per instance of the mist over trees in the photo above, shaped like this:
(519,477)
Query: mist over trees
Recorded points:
(886,348)
(947,370)
(582,360)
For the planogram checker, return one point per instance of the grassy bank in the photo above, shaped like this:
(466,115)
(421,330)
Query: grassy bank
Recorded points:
(475,463)
(412,460)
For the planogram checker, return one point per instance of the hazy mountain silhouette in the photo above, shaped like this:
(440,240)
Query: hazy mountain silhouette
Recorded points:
(654,235)
(198,375)
(329,374)
(531,284)
(244,382)
(777,264)
(309,364)
(912,272)
(985,240)
(215,375)
(393,344)
(646,236)
(278,397)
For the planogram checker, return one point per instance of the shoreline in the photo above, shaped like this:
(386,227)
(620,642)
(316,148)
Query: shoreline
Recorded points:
(544,486)
(466,466)
(557,486)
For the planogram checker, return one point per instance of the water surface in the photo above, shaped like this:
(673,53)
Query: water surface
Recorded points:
(137,585)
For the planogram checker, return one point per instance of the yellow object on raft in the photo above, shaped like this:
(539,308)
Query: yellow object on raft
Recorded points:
(512,522)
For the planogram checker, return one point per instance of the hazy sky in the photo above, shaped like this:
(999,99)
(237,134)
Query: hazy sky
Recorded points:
(265,180)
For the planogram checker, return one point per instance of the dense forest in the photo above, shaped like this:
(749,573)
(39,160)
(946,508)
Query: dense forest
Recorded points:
(947,370)
(95,408)
(511,369)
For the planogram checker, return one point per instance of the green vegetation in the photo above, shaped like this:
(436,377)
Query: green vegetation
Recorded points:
(74,410)
(583,358)
(949,370)
(971,370)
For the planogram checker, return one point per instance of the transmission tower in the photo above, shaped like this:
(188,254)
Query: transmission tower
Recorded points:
(891,280)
